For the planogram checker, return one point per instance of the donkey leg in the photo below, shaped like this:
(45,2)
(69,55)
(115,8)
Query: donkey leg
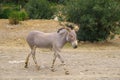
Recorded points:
(27,59)
(54,59)
(63,63)
(34,58)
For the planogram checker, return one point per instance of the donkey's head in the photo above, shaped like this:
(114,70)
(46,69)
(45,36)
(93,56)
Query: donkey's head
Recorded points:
(70,33)
(72,37)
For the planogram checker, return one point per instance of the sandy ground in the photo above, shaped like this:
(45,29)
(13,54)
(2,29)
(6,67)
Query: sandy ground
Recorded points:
(97,61)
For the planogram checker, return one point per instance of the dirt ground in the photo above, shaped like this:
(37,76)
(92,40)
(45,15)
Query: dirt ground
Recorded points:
(90,61)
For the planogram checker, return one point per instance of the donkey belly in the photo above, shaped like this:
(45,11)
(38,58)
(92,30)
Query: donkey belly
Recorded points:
(43,44)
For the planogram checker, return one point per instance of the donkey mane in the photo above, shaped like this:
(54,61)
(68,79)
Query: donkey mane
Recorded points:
(60,30)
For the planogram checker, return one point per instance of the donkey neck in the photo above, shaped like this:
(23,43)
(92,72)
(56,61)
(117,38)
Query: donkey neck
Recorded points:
(62,40)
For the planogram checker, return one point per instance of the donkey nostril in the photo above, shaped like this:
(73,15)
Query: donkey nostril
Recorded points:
(75,46)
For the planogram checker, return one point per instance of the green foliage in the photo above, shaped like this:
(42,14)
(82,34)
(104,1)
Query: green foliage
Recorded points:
(23,15)
(6,9)
(97,18)
(0,11)
(14,18)
(17,16)
(5,13)
(57,1)
(39,9)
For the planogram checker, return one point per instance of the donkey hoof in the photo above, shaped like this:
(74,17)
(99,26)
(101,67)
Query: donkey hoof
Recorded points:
(38,67)
(52,69)
(67,73)
(25,66)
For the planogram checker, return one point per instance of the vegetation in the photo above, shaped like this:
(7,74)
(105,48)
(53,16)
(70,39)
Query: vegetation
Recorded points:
(39,9)
(17,16)
(98,19)
(14,18)
(57,1)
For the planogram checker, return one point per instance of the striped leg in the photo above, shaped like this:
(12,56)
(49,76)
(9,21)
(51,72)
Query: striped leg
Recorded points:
(64,65)
(34,58)
(27,59)
(54,59)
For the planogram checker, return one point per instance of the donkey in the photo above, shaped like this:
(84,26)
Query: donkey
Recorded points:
(54,41)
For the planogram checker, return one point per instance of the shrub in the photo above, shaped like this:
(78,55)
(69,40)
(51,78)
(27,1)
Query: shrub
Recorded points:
(23,15)
(0,11)
(57,1)
(97,18)
(39,9)
(5,13)
(14,18)
(17,16)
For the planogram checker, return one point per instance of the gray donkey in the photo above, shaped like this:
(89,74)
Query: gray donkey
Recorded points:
(54,41)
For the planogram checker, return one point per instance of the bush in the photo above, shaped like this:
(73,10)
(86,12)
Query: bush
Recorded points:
(56,1)
(14,18)
(39,9)
(4,13)
(97,18)
(6,8)
(0,12)
(17,16)
(23,15)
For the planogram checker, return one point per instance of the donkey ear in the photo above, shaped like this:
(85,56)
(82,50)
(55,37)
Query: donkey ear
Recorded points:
(76,28)
(70,25)
(73,26)
(59,30)
(68,29)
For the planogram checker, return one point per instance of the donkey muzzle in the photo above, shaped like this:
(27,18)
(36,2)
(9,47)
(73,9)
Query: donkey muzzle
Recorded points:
(75,44)
(75,47)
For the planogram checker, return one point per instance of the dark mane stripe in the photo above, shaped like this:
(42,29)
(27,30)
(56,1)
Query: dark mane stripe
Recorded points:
(60,30)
